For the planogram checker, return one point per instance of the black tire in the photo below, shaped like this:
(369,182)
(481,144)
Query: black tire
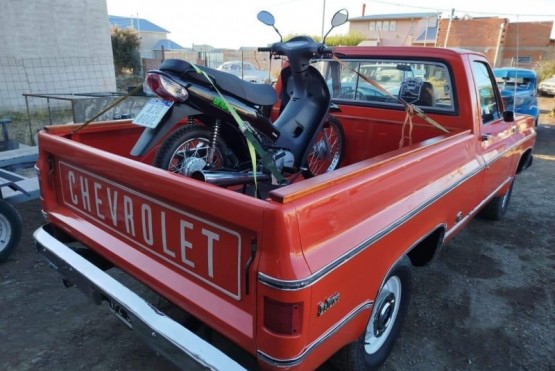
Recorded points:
(327,150)
(10,230)
(187,149)
(390,307)
(497,207)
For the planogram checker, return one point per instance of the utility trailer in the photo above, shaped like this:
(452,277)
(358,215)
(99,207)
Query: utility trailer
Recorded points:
(18,183)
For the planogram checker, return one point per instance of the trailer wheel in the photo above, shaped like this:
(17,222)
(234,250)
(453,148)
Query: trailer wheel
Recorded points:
(497,207)
(10,229)
(383,328)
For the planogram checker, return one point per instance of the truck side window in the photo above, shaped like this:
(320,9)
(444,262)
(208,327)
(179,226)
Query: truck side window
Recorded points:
(486,93)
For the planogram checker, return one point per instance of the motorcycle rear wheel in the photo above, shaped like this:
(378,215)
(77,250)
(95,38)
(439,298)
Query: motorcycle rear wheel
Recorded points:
(187,150)
(327,150)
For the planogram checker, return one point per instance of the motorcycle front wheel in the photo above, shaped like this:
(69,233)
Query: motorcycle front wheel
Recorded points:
(189,149)
(327,150)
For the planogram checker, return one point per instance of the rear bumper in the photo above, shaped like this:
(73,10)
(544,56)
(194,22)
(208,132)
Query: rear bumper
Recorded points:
(168,337)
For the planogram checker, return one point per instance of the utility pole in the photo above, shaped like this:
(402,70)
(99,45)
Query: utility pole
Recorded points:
(449,27)
(323,17)
(502,26)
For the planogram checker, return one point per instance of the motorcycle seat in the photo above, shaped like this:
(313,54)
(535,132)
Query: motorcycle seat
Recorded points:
(259,94)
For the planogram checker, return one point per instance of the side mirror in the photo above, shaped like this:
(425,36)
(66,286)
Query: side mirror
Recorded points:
(340,18)
(508,116)
(266,17)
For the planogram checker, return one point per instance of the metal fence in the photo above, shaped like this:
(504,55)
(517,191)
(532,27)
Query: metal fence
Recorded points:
(214,59)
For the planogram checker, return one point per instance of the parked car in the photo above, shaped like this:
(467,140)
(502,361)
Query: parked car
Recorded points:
(389,76)
(547,86)
(245,70)
(518,88)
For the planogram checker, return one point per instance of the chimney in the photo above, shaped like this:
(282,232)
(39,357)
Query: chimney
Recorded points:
(363,9)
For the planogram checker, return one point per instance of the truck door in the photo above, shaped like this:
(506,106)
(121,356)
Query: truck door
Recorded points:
(495,133)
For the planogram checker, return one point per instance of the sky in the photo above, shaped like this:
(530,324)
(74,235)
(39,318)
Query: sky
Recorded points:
(232,24)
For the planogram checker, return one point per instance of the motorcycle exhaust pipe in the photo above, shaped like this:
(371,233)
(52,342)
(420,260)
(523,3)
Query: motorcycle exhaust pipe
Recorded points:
(229,178)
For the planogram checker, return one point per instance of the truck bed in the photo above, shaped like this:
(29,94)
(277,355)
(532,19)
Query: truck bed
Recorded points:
(160,227)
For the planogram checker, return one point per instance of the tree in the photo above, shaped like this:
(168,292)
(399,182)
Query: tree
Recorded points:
(351,39)
(545,69)
(125,47)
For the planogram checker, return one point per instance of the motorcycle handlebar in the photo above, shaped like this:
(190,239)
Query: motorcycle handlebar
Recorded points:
(299,44)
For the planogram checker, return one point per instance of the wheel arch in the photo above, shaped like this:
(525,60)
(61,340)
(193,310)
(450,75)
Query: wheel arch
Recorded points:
(525,161)
(426,249)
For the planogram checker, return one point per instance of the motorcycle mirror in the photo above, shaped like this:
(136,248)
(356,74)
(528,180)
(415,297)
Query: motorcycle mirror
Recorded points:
(339,18)
(268,19)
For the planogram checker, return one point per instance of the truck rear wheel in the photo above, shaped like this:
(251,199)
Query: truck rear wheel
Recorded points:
(10,229)
(383,328)
(498,206)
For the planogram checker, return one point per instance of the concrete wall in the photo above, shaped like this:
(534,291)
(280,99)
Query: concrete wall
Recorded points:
(54,46)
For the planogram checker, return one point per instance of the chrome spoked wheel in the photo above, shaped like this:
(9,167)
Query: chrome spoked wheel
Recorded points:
(327,150)
(190,149)
(193,155)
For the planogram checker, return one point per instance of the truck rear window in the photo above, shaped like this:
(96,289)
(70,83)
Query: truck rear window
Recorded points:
(426,84)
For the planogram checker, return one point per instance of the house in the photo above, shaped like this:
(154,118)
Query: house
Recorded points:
(504,43)
(396,29)
(154,39)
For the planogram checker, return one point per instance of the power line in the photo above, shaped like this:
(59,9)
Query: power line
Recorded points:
(461,11)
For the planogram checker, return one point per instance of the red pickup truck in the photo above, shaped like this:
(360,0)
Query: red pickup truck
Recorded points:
(318,268)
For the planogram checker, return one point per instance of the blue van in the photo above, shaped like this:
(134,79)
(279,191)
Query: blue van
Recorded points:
(518,88)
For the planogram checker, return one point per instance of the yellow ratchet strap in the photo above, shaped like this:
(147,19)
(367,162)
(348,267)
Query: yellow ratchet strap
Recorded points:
(252,142)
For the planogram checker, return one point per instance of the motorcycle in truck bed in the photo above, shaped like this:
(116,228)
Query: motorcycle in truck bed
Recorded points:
(316,267)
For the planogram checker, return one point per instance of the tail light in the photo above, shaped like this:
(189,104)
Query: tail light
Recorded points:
(283,318)
(166,88)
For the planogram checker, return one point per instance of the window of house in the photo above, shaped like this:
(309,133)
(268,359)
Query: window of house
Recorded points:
(392,25)
(378,25)
(523,60)
(385,25)
(372,26)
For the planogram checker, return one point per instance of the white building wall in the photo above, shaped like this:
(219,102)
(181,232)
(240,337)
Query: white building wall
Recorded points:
(52,47)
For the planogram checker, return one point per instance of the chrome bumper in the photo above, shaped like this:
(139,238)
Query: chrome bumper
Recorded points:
(168,337)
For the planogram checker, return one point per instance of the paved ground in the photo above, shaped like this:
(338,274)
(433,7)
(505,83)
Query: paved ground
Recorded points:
(487,303)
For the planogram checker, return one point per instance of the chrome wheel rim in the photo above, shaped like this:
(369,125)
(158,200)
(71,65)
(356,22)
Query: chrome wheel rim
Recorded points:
(383,315)
(326,151)
(5,232)
(194,153)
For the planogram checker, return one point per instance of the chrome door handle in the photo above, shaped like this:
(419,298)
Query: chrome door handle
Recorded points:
(486,137)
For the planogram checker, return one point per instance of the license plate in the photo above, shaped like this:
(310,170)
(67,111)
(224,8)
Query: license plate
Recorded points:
(152,113)
(120,312)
